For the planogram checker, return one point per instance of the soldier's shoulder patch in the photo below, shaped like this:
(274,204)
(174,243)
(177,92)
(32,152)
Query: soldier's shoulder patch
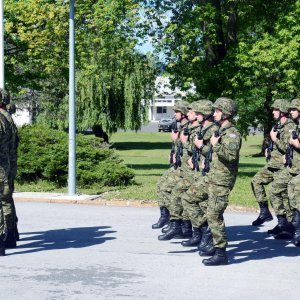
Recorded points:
(232,146)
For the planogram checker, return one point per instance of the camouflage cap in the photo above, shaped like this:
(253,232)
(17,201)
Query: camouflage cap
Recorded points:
(295,104)
(226,105)
(202,106)
(282,105)
(181,106)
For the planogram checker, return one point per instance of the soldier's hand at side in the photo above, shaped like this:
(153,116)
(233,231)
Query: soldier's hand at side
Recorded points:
(283,159)
(214,140)
(198,143)
(183,138)
(266,152)
(202,164)
(174,135)
(273,135)
(190,163)
(295,143)
(174,158)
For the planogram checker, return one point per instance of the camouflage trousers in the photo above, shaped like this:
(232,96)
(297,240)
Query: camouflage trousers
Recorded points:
(4,190)
(261,178)
(205,202)
(294,192)
(184,179)
(7,200)
(278,195)
(164,187)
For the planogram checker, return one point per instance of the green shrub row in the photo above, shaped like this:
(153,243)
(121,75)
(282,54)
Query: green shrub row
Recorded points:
(43,154)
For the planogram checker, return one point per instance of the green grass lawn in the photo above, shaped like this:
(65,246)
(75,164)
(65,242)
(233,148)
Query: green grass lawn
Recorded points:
(147,154)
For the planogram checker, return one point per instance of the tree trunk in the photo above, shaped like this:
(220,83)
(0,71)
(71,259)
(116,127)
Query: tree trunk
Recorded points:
(268,120)
(215,47)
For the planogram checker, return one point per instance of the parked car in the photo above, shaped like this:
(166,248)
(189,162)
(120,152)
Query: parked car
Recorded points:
(165,124)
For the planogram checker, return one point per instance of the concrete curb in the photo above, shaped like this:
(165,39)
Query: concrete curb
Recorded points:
(97,200)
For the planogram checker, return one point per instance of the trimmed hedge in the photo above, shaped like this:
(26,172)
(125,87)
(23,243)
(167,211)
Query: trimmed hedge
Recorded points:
(43,154)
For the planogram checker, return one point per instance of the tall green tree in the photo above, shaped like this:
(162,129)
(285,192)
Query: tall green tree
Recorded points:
(114,81)
(248,50)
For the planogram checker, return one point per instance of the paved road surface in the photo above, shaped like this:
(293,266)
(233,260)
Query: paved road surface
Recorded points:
(72,251)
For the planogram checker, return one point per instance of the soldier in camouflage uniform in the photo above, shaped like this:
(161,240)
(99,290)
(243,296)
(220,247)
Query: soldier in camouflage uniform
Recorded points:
(180,225)
(192,202)
(292,161)
(166,182)
(5,141)
(9,207)
(279,135)
(221,177)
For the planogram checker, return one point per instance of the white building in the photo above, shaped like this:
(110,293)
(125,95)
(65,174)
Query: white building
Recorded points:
(22,117)
(164,100)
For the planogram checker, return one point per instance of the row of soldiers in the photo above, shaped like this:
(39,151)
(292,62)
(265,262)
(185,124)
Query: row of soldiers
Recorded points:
(193,193)
(8,170)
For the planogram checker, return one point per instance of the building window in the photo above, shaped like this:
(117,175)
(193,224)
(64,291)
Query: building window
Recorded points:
(161,109)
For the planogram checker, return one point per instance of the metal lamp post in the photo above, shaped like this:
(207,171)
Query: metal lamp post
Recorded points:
(72,108)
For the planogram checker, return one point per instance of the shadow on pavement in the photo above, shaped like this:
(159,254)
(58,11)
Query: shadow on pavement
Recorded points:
(63,239)
(247,243)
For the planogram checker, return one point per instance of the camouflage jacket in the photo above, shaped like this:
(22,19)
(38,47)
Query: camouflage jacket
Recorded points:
(13,145)
(208,131)
(225,158)
(295,168)
(5,142)
(280,146)
(188,147)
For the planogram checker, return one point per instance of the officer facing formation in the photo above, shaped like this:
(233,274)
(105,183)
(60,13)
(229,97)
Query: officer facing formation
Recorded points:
(8,169)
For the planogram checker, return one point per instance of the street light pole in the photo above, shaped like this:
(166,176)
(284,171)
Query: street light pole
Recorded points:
(1,45)
(72,108)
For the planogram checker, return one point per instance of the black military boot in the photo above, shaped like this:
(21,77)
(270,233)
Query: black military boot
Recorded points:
(219,258)
(264,214)
(2,246)
(195,239)
(163,219)
(174,232)
(10,239)
(296,224)
(206,239)
(166,228)
(186,227)
(274,231)
(206,246)
(286,229)
(17,235)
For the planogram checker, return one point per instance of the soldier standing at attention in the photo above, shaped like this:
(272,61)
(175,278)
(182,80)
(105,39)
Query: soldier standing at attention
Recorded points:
(166,181)
(179,221)
(294,170)
(279,135)
(12,234)
(191,199)
(221,177)
(5,142)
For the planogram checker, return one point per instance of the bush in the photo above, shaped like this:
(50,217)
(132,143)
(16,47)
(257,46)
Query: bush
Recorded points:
(43,155)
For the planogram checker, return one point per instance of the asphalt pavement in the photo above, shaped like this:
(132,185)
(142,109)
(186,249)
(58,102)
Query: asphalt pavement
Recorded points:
(71,251)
